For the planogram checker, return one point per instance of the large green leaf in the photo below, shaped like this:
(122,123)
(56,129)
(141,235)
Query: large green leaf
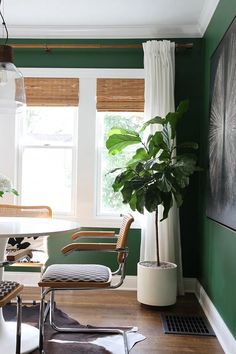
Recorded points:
(155,143)
(140,201)
(121,179)
(127,191)
(172,118)
(186,165)
(133,202)
(155,120)
(167,202)
(140,155)
(152,198)
(166,135)
(122,131)
(183,107)
(117,142)
(165,184)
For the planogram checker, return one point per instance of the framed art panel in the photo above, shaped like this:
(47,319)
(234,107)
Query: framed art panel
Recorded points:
(221,198)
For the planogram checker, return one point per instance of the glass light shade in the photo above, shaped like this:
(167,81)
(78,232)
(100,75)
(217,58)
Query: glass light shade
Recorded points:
(12,91)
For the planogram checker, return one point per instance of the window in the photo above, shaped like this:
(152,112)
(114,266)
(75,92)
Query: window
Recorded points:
(48,149)
(120,102)
(48,143)
(62,159)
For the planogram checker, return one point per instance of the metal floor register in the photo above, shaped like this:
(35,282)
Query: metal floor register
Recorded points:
(186,324)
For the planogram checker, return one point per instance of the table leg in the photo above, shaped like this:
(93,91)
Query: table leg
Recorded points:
(29,337)
(29,334)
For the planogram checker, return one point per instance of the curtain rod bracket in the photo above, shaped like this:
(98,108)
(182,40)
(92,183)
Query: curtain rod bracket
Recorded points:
(46,49)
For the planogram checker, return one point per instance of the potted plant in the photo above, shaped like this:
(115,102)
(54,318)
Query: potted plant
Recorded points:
(157,174)
(6,186)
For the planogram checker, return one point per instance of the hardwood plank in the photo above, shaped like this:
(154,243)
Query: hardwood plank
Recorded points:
(119,307)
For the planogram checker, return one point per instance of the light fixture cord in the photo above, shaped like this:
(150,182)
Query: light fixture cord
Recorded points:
(4,23)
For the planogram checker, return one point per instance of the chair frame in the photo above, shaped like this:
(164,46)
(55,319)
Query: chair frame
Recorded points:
(24,211)
(51,287)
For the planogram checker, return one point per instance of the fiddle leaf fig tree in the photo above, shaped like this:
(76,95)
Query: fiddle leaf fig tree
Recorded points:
(159,170)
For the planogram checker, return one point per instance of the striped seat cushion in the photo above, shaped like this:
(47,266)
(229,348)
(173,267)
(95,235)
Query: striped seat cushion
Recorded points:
(6,287)
(77,273)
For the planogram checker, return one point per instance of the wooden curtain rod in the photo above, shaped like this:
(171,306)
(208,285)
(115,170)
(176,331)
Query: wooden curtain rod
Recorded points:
(89,46)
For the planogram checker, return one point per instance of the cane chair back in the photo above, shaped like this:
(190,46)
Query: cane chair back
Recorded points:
(123,236)
(34,211)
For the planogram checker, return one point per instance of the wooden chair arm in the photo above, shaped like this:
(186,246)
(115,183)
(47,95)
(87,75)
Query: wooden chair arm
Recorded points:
(88,247)
(16,255)
(103,234)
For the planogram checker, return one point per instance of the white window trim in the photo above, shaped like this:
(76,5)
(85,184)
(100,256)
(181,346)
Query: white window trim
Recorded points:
(24,146)
(84,199)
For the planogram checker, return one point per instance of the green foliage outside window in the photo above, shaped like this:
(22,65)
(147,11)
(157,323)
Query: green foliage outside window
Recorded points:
(112,202)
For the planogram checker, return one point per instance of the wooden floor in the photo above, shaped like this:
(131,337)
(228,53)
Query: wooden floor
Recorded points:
(119,307)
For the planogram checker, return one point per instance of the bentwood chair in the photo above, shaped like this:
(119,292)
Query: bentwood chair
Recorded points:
(60,277)
(32,249)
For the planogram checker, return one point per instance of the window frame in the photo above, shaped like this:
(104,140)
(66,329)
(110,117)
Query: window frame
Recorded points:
(73,147)
(86,187)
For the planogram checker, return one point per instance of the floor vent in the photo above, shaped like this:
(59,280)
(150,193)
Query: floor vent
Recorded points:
(186,324)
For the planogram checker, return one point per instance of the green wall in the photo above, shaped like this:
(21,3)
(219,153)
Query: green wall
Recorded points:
(189,71)
(217,266)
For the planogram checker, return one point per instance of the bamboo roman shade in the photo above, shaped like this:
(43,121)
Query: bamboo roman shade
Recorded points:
(120,95)
(51,91)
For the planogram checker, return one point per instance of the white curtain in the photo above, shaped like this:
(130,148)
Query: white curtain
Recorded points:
(159,67)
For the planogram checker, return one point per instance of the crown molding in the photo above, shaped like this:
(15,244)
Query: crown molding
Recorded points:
(106,32)
(206,15)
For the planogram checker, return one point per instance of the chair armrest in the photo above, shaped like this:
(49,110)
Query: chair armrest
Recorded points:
(88,247)
(16,255)
(104,234)
(4,264)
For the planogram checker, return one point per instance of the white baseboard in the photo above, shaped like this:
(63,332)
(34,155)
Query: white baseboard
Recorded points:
(190,285)
(130,282)
(222,332)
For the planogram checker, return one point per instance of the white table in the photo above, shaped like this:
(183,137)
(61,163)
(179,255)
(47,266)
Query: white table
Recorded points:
(23,227)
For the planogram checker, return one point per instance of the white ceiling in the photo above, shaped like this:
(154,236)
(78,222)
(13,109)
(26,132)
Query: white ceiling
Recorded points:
(107,18)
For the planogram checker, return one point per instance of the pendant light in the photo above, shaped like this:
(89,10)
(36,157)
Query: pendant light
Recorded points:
(12,92)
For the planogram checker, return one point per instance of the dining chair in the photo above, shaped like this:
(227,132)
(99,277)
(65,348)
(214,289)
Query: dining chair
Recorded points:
(8,291)
(34,251)
(59,277)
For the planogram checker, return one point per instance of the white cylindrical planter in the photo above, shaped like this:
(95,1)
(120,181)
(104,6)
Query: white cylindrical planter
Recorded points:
(157,286)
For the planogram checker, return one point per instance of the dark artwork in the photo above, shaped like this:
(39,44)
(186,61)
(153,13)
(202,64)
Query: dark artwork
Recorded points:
(221,201)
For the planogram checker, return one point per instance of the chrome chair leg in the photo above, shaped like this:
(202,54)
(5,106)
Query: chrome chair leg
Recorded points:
(18,324)
(41,324)
(104,330)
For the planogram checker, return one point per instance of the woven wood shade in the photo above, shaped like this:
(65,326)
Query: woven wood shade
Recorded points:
(120,95)
(52,91)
